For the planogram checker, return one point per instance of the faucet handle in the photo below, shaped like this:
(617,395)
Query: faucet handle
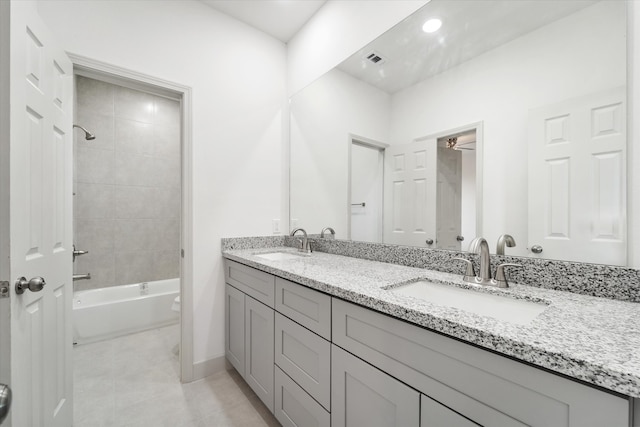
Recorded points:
(469,273)
(501,277)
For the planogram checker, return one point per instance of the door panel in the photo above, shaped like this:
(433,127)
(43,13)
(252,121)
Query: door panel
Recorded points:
(577,184)
(410,193)
(40,189)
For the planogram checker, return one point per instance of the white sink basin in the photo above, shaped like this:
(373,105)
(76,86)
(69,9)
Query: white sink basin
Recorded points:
(517,311)
(279,256)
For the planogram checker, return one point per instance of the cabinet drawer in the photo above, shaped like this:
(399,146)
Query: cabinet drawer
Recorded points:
(433,414)
(305,357)
(361,395)
(482,386)
(309,308)
(294,407)
(255,283)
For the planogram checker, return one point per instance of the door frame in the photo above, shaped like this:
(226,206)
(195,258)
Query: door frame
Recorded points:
(134,80)
(375,145)
(5,121)
(479,128)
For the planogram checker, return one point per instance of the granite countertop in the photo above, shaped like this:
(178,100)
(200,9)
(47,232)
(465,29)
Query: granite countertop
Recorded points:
(592,339)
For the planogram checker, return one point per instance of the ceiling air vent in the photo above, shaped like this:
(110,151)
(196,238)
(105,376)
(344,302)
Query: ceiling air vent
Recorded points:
(375,57)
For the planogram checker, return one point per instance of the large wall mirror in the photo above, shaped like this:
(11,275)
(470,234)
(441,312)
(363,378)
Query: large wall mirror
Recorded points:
(510,118)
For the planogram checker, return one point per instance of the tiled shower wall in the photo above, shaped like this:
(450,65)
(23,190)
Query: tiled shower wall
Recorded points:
(126,185)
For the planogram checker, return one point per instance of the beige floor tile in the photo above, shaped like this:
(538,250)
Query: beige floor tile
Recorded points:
(133,381)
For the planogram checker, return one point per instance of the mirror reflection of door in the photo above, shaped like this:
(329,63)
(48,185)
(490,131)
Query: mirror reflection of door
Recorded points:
(367,169)
(456,188)
(449,198)
(577,184)
(430,191)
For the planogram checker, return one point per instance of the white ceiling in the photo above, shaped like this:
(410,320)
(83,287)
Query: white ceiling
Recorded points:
(280,18)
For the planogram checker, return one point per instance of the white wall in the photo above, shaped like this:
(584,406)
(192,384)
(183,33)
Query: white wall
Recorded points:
(337,31)
(322,117)
(501,86)
(238,77)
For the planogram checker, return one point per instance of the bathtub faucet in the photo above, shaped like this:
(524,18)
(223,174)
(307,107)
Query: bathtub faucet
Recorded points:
(81,276)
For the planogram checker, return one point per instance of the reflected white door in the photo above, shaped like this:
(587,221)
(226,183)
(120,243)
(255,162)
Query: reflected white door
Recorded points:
(449,201)
(367,168)
(577,179)
(39,222)
(410,193)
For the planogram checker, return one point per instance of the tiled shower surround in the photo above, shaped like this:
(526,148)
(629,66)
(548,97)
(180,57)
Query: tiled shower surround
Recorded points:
(126,185)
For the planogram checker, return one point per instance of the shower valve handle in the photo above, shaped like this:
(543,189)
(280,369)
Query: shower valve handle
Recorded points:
(77,253)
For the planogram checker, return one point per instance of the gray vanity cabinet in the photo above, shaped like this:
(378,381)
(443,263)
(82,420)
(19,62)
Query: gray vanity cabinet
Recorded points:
(249,328)
(484,387)
(315,360)
(362,395)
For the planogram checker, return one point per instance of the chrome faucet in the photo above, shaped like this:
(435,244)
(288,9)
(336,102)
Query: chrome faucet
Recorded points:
(330,230)
(304,243)
(505,239)
(479,245)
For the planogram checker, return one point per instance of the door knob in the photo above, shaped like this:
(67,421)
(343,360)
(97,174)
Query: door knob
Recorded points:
(429,241)
(34,285)
(460,238)
(5,401)
(536,249)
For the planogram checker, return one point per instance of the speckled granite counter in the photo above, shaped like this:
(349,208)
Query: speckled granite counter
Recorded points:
(595,340)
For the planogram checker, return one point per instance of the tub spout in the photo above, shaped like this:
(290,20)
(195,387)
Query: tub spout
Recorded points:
(81,276)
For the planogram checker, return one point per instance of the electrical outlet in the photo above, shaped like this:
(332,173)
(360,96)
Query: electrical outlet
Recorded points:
(276,226)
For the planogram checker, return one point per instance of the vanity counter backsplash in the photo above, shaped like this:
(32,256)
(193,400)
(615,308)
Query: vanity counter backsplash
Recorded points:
(592,339)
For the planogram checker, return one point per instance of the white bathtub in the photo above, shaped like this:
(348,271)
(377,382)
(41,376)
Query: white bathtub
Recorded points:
(104,313)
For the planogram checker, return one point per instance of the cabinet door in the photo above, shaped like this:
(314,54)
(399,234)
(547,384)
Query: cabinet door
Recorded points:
(234,328)
(361,395)
(259,323)
(433,414)
(294,407)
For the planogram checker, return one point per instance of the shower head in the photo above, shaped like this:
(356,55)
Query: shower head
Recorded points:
(87,135)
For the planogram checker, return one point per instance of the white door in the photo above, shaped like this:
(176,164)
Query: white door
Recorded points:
(39,222)
(577,184)
(410,194)
(448,216)
(367,168)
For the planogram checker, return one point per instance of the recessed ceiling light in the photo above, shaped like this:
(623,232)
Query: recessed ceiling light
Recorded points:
(432,25)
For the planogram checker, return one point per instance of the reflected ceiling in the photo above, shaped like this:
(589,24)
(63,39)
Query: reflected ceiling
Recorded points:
(411,55)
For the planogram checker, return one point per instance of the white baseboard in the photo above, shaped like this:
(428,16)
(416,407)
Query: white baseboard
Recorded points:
(208,367)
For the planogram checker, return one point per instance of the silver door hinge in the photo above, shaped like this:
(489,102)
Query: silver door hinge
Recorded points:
(4,289)
(182,253)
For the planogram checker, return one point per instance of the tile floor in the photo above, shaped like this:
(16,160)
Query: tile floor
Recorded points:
(133,381)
